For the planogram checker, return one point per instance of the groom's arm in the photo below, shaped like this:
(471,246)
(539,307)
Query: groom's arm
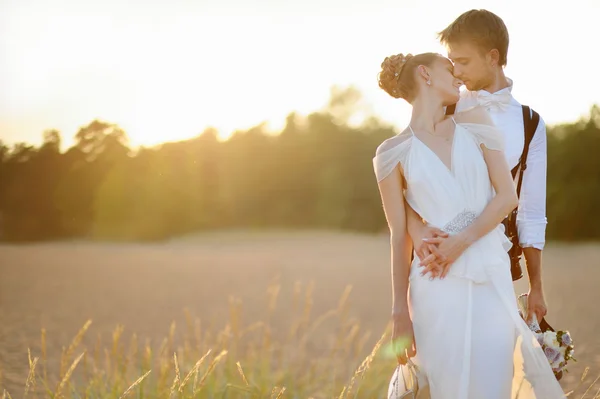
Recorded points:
(419,230)
(533,259)
(531,218)
(414,222)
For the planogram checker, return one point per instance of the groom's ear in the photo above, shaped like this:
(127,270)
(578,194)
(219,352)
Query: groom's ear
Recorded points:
(494,57)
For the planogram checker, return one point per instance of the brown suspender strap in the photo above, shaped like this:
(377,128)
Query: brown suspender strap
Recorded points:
(531,120)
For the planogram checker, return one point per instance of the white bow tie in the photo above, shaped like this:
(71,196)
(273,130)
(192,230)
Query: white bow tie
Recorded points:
(499,101)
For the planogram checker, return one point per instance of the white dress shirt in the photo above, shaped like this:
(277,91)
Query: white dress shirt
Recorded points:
(508,117)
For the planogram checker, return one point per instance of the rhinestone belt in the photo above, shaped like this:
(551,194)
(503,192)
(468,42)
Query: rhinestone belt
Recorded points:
(460,222)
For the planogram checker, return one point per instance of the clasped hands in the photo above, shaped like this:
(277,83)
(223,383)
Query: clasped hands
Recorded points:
(437,250)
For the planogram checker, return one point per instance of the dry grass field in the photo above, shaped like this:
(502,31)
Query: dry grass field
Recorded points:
(209,291)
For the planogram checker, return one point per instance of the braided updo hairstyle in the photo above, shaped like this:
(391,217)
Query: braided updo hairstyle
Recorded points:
(397,76)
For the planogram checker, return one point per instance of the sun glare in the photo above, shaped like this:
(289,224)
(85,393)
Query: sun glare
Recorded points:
(167,76)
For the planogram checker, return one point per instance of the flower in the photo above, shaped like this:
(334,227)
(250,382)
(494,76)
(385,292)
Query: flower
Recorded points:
(552,354)
(566,339)
(550,339)
(540,338)
(557,346)
(556,367)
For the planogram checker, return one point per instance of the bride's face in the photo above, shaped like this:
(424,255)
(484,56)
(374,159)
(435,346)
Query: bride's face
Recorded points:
(444,81)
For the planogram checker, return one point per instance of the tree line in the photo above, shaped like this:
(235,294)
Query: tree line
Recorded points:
(316,173)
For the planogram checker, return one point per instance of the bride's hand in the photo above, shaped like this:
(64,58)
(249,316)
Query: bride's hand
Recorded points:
(421,247)
(447,250)
(403,338)
(431,264)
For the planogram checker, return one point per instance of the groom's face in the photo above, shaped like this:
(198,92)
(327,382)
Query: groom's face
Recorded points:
(470,65)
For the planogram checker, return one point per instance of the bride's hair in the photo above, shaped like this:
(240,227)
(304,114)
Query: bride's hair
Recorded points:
(397,76)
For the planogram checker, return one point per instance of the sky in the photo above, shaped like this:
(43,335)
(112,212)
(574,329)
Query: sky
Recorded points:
(166,70)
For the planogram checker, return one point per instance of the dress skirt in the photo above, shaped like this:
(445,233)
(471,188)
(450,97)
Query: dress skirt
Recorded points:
(471,341)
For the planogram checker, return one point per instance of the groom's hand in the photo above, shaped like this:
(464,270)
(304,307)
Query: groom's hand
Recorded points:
(447,250)
(432,264)
(430,259)
(425,251)
(536,304)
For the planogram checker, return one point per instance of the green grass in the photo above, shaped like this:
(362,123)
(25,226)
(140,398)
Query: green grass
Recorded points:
(233,362)
(236,361)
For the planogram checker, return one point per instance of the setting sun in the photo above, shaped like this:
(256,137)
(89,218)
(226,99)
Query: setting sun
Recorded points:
(170,72)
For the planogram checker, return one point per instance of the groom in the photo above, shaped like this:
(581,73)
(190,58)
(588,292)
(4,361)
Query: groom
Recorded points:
(477,43)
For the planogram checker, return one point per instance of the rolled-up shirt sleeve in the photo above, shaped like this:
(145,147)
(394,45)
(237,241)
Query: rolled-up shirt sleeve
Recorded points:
(531,217)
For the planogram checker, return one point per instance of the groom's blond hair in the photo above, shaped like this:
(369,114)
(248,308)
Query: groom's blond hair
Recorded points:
(481,27)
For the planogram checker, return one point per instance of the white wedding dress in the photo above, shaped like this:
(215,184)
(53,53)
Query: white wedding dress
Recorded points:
(471,341)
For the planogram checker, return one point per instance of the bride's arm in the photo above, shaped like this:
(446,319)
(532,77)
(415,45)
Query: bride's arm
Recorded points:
(505,199)
(391,183)
(503,202)
(391,191)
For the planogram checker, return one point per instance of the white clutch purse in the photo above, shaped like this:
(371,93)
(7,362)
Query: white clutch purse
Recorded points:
(404,382)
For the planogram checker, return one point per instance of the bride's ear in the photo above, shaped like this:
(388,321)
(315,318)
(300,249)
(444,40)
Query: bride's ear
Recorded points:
(424,72)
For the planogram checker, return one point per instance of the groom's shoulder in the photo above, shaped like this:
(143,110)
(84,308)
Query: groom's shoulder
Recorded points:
(532,112)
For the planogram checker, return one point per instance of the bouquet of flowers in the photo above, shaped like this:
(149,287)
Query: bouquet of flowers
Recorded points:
(557,345)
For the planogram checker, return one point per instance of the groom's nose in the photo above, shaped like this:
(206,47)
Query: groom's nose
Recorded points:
(458,73)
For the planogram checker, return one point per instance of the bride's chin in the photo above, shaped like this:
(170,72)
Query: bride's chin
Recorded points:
(451,100)
(454,98)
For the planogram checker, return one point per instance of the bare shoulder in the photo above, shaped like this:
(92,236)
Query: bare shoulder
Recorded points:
(476,114)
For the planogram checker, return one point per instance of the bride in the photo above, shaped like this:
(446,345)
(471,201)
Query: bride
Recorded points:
(461,326)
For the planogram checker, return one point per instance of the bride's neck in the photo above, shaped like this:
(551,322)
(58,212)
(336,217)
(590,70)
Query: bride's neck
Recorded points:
(426,114)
